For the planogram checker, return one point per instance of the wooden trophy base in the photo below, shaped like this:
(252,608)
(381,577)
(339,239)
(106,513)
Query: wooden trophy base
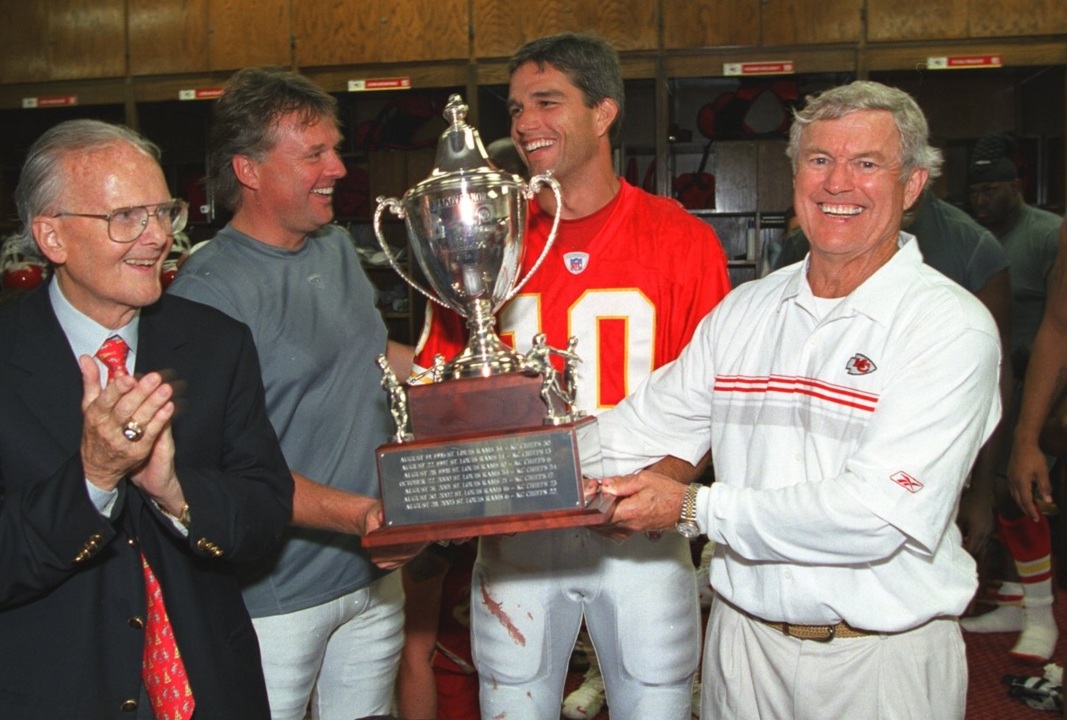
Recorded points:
(483,462)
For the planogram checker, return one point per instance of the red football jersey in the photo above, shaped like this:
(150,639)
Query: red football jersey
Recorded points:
(632,295)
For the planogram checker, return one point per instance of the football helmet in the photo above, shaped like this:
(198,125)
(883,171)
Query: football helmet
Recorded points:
(178,252)
(21,265)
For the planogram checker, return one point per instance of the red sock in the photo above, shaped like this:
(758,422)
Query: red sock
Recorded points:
(1030,545)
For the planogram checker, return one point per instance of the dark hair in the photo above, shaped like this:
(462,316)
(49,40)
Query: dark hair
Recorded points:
(41,183)
(246,116)
(589,61)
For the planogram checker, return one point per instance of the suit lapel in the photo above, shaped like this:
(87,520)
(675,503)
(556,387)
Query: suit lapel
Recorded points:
(160,334)
(50,381)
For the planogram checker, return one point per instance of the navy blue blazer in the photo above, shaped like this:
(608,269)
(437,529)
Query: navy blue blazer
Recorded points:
(72,598)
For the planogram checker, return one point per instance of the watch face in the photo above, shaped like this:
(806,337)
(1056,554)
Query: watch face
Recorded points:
(688,530)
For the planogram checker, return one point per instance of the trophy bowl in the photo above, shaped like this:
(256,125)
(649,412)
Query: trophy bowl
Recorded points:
(466,234)
(465,224)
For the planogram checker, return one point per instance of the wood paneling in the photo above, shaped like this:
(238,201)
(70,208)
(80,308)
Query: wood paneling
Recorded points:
(500,28)
(1013,18)
(627,24)
(889,20)
(86,39)
(23,48)
(811,22)
(318,38)
(168,36)
(425,30)
(910,20)
(355,32)
(62,40)
(238,38)
(702,23)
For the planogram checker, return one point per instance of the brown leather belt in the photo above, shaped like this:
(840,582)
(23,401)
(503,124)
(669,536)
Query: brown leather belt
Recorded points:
(818,633)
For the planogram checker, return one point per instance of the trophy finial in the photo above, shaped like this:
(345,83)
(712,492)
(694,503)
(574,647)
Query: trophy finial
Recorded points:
(456,111)
(460,147)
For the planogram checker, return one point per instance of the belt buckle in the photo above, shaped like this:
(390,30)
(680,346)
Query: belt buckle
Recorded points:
(831,633)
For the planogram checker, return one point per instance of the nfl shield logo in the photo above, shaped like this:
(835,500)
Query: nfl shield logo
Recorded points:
(576,262)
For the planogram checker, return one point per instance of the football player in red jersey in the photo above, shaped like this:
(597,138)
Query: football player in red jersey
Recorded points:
(630,275)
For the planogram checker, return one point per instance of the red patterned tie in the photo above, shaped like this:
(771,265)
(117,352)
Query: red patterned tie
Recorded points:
(162,669)
(113,354)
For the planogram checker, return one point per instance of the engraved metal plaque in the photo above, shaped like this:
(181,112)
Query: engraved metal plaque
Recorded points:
(533,471)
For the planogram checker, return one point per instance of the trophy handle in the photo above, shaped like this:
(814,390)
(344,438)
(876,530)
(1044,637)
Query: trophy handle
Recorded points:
(537,182)
(397,208)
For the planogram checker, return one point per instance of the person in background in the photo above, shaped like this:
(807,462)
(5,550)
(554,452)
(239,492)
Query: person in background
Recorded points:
(137,462)
(1046,380)
(844,401)
(329,621)
(630,275)
(1029,237)
(793,246)
(1036,432)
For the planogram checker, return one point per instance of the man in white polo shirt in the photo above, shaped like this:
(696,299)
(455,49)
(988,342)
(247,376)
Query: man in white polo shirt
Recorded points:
(844,400)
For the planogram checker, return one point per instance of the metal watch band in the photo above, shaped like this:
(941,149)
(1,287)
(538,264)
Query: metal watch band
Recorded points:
(689,504)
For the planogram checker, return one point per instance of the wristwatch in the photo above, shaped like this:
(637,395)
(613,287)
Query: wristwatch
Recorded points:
(687,523)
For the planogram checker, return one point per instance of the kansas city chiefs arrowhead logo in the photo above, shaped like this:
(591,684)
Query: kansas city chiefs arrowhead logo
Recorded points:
(860,364)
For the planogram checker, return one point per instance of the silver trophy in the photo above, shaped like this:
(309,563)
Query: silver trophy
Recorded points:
(465,223)
(491,445)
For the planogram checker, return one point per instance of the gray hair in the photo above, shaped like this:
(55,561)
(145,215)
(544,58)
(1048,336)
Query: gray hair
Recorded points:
(246,116)
(589,61)
(915,149)
(42,182)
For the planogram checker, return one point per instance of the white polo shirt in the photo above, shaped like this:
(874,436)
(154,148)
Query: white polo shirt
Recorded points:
(840,444)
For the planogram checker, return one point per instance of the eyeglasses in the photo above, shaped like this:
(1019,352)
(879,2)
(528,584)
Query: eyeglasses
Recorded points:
(124,225)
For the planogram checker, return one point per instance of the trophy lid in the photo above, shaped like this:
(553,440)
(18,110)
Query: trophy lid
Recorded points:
(460,146)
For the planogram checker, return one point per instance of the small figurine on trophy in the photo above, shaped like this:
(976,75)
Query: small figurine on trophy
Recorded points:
(437,372)
(570,371)
(434,374)
(557,393)
(398,401)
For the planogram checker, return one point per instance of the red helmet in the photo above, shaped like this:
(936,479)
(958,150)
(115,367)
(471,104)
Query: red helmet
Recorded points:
(179,250)
(21,267)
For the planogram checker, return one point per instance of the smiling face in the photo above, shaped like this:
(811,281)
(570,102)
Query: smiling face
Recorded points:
(289,192)
(106,280)
(552,126)
(847,190)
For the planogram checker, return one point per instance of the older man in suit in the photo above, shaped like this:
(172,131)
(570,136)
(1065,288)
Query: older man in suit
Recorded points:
(121,514)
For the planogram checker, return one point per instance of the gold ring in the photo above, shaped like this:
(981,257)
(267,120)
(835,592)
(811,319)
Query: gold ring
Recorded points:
(133,430)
